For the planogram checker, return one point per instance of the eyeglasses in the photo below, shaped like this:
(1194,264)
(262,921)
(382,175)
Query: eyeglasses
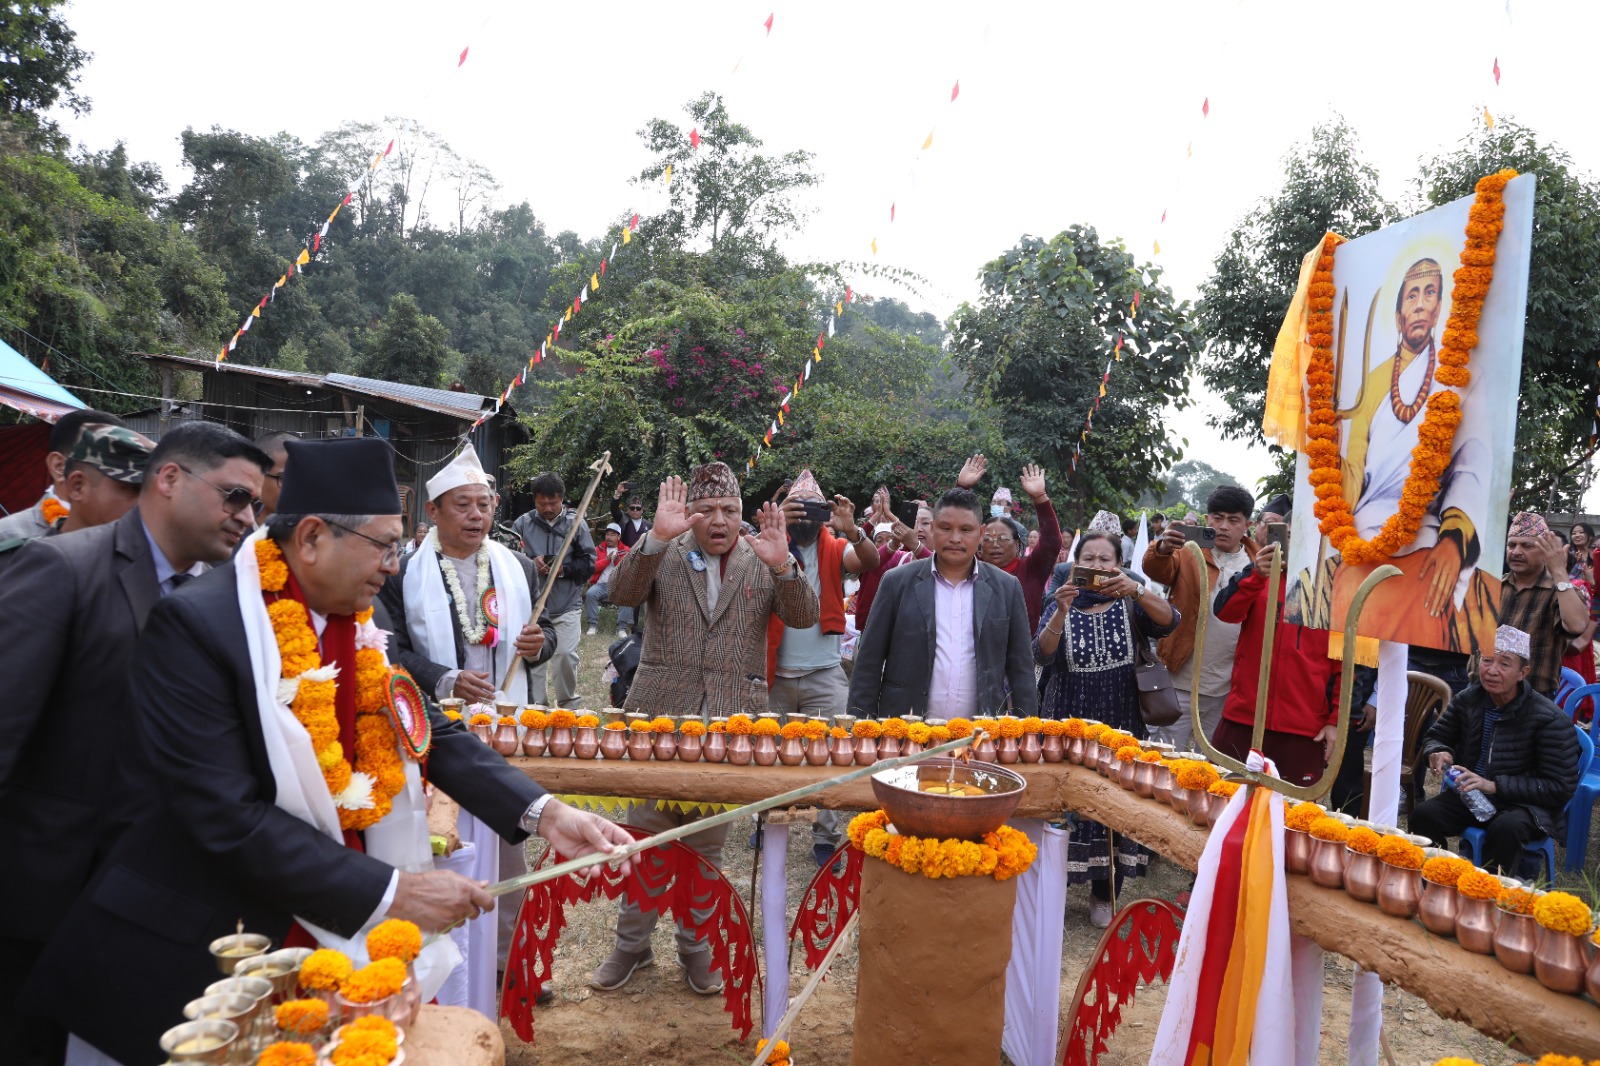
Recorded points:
(999,538)
(391,549)
(235,499)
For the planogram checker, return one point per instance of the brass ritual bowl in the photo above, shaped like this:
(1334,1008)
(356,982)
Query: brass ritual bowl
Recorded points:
(925,814)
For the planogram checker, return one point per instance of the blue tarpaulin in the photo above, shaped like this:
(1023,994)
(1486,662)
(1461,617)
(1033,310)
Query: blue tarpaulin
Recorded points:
(30,390)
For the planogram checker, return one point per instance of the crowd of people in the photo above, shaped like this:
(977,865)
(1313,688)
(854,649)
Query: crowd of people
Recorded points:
(148,834)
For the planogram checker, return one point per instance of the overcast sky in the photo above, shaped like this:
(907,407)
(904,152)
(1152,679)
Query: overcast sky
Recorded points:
(1069,112)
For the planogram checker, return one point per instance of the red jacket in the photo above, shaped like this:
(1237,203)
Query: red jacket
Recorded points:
(601,560)
(1034,570)
(1302,678)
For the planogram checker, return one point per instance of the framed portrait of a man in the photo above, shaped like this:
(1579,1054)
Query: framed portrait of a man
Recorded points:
(1392,295)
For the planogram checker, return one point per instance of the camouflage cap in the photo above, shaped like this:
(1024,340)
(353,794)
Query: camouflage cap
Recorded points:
(116,451)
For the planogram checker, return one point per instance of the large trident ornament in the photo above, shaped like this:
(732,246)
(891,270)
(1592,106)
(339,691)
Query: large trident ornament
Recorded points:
(1259,732)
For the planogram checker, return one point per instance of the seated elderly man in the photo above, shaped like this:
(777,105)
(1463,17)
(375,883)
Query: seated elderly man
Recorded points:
(1513,745)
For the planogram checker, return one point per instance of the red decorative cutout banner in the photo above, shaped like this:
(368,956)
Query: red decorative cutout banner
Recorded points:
(1140,946)
(825,909)
(671,880)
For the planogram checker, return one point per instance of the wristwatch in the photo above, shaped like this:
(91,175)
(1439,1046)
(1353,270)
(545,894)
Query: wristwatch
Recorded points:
(529,822)
(1563,586)
(859,537)
(782,571)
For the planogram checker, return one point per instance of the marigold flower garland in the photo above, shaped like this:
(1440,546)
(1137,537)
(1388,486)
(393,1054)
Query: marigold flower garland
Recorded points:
(52,510)
(363,788)
(1436,435)
(1002,855)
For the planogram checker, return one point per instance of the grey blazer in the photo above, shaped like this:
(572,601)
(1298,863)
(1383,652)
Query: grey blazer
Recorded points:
(894,657)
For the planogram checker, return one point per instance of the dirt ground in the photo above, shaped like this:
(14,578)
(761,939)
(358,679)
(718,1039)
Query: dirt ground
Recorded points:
(656,1020)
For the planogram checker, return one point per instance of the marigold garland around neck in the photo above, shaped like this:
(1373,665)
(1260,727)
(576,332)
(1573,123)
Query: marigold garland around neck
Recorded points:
(1003,854)
(363,789)
(52,509)
(486,630)
(1436,436)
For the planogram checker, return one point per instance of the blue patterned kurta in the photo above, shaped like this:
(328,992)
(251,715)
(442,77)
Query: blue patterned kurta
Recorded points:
(1092,677)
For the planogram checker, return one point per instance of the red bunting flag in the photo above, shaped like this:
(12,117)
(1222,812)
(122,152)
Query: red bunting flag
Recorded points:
(1497,70)
(602,268)
(956,91)
(633,223)
(263,302)
(515,382)
(848,295)
(346,201)
(1163,215)
(316,242)
(891,212)
(1136,295)
(463,58)
(821,338)
(694,137)
(387,150)
(1205,107)
(768,23)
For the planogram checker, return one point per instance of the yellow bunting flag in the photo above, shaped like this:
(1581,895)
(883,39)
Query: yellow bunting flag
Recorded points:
(1488,118)
(819,355)
(626,236)
(874,246)
(780,417)
(1157,248)
(255,312)
(594,282)
(929,142)
(838,308)
(568,316)
(666,179)
(303,258)
(1102,390)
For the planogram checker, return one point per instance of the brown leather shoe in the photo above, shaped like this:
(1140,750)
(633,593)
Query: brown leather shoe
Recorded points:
(698,973)
(619,968)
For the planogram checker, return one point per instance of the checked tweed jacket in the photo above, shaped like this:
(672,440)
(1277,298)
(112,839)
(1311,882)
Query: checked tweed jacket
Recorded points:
(695,656)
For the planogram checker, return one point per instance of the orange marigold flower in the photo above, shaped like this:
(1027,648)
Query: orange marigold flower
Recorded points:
(1301,815)
(867,729)
(792,730)
(919,733)
(1129,753)
(1054,727)
(959,728)
(394,938)
(1151,756)
(1445,869)
(816,730)
(588,721)
(766,727)
(481,719)
(1074,727)
(377,980)
(1398,851)
(505,719)
(1223,788)
(693,728)
(301,1016)
(274,571)
(1475,884)
(1562,912)
(717,727)
(940,734)
(639,725)
(284,1053)
(1329,829)
(1516,900)
(364,1047)
(1363,839)
(740,725)
(838,732)
(325,970)
(895,728)
(562,719)
(662,724)
(1009,728)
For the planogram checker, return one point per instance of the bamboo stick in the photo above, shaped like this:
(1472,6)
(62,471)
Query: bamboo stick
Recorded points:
(811,986)
(688,829)
(600,467)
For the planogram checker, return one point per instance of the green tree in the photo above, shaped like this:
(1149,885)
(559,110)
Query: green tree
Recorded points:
(1035,349)
(39,64)
(1561,342)
(1188,486)
(407,346)
(726,192)
(1326,186)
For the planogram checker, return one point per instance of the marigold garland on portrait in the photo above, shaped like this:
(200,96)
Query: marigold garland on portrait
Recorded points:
(1436,435)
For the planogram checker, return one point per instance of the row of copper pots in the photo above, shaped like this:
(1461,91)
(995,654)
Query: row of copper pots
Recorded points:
(1561,962)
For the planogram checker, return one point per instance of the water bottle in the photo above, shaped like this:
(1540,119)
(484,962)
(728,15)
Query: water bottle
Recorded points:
(1481,806)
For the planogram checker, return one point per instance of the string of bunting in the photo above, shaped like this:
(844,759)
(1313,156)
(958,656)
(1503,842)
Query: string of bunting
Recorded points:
(1105,379)
(778,422)
(313,244)
(593,285)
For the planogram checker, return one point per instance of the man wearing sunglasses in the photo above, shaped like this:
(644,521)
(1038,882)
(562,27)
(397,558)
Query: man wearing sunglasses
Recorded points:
(72,608)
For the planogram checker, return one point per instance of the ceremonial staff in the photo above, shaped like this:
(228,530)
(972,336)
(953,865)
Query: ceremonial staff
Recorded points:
(601,467)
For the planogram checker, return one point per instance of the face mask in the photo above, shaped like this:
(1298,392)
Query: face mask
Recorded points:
(997,510)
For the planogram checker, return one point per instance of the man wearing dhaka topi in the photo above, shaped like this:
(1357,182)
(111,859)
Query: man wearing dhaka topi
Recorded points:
(1442,598)
(275,773)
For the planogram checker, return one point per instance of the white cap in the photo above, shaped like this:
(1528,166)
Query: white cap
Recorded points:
(464,469)
(882,527)
(1514,641)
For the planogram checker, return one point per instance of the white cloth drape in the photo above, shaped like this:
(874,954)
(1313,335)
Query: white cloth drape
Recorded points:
(775,922)
(1388,740)
(1033,976)
(429,609)
(401,839)
(473,984)
(1141,544)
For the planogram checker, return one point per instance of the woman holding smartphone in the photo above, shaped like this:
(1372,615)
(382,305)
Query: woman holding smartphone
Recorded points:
(1088,633)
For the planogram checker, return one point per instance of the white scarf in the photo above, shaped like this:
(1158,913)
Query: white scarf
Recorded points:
(429,610)
(400,839)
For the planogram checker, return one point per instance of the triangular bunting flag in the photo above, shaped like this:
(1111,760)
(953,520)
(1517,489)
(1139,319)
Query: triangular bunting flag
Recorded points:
(326,224)
(929,142)
(956,91)
(891,212)
(838,308)
(627,235)
(1488,118)
(768,24)
(387,150)
(594,281)
(694,137)
(303,258)
(255,312)
(830,325)
(1156,250)
(463,58)
(1205,107)
(247,324)
(1497,70)
(848,295)
(666,176)
(633,223)
(316,242)
(808,371)
(874,246)
(603,265)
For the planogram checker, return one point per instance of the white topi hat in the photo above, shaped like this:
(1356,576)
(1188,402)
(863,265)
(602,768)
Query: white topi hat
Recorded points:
(464,469)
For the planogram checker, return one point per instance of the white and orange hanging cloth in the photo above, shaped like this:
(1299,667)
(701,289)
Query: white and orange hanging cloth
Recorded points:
(1231,999)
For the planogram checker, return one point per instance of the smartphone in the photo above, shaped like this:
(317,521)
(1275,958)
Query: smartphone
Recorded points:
(816,510)
(1204,536)
(906,512)
(1088,577)
(1278,533)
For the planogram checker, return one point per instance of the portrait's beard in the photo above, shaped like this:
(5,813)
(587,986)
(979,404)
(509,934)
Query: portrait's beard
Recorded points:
(804,533)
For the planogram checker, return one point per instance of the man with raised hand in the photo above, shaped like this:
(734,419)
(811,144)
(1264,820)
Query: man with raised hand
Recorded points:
(710,592)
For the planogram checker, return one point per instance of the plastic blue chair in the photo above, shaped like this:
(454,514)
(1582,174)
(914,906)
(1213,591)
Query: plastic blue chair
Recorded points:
(1472,838)
(1580,811)
(1573,702)
(1570,679)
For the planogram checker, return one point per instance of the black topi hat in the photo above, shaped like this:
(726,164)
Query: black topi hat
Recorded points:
(350,475)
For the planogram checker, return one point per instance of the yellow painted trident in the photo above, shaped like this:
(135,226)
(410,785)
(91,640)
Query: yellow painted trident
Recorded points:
(1346,676)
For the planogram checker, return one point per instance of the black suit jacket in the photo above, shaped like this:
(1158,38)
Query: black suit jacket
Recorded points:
(392,604)
(71,608)
(207,845)
(894,657)
(630,535)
